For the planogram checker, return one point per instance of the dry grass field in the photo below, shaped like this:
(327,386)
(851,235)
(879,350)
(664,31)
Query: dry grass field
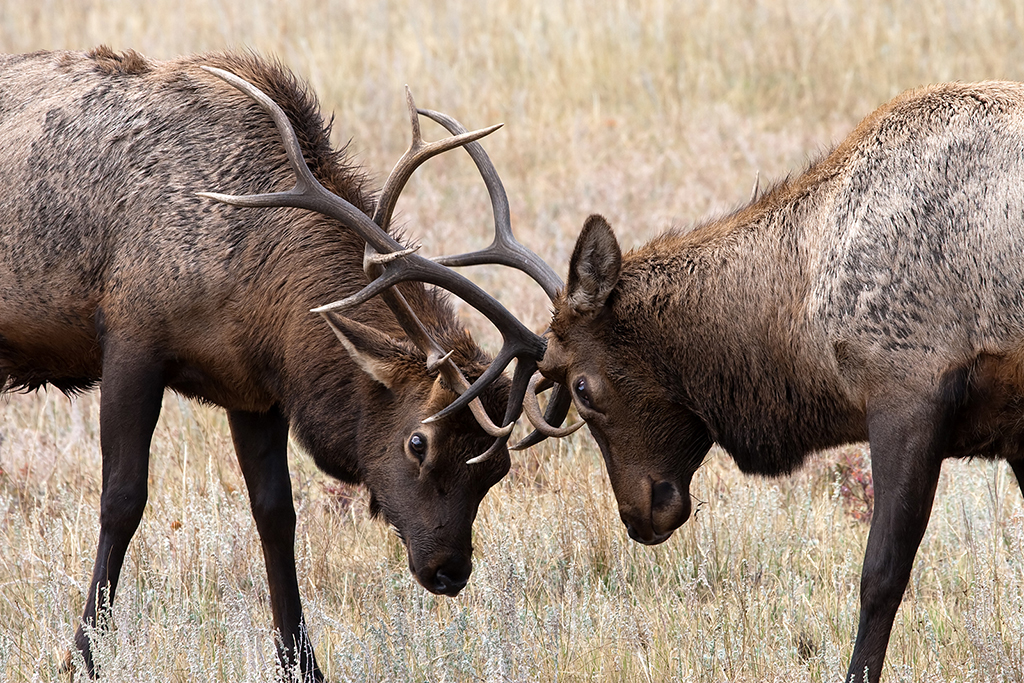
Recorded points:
(655,113)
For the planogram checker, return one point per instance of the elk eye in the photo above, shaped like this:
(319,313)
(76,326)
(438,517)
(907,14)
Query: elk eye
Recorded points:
(582,393)
(418,445)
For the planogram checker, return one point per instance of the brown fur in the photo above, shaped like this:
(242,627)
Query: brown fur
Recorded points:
(113,270)
(878,296)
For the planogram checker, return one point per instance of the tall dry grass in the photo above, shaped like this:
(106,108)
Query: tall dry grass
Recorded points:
(653,113)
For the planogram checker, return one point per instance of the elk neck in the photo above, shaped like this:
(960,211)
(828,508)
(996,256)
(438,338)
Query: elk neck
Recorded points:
(731,331)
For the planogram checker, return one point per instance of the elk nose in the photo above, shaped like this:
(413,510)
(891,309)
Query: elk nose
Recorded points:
(669,508)
(663,493)
(451,579)
(653,524)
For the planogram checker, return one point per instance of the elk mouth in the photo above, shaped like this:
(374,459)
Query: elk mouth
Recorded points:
(652,539)
(446,576)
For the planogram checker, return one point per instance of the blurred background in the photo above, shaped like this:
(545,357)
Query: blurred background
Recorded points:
(656,114)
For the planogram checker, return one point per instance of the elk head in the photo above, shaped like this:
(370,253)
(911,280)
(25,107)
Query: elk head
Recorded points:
(417,476)
(651,443)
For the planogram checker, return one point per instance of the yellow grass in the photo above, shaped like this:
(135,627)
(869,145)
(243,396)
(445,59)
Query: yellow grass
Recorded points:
(653,113)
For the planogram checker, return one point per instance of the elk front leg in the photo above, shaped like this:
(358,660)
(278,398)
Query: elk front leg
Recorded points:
(906,449)
(261,443)
(130,398)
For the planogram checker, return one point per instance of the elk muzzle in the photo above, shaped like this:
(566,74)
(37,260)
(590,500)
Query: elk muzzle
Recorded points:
(663,509)
(446,577)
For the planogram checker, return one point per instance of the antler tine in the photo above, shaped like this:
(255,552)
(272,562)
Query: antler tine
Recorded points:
(557,410)
(417,153)
(308,193)
(525,368)
(486,455)
(291,142)
(437,358)
(505,249)
(505,356)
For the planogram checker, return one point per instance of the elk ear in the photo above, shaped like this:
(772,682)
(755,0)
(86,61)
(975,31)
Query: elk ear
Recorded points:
(594,267)
(381,356)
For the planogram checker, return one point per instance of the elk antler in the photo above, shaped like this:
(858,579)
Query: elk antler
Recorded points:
(387,262)
(504,250)
(373,263)
(308,193)
(507,250)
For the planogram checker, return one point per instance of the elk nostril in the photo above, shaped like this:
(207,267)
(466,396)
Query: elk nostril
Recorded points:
(663,493)
(449,581)
(669,509)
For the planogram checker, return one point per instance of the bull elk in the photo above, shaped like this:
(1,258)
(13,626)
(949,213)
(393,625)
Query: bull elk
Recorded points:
(877,297)
(114,270)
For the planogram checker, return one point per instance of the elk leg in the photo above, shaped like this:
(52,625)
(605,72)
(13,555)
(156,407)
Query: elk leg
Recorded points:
(130,400)
(261,443)
(905,462)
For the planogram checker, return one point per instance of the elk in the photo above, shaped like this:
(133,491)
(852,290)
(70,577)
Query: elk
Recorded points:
(116,268)
(877,297)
